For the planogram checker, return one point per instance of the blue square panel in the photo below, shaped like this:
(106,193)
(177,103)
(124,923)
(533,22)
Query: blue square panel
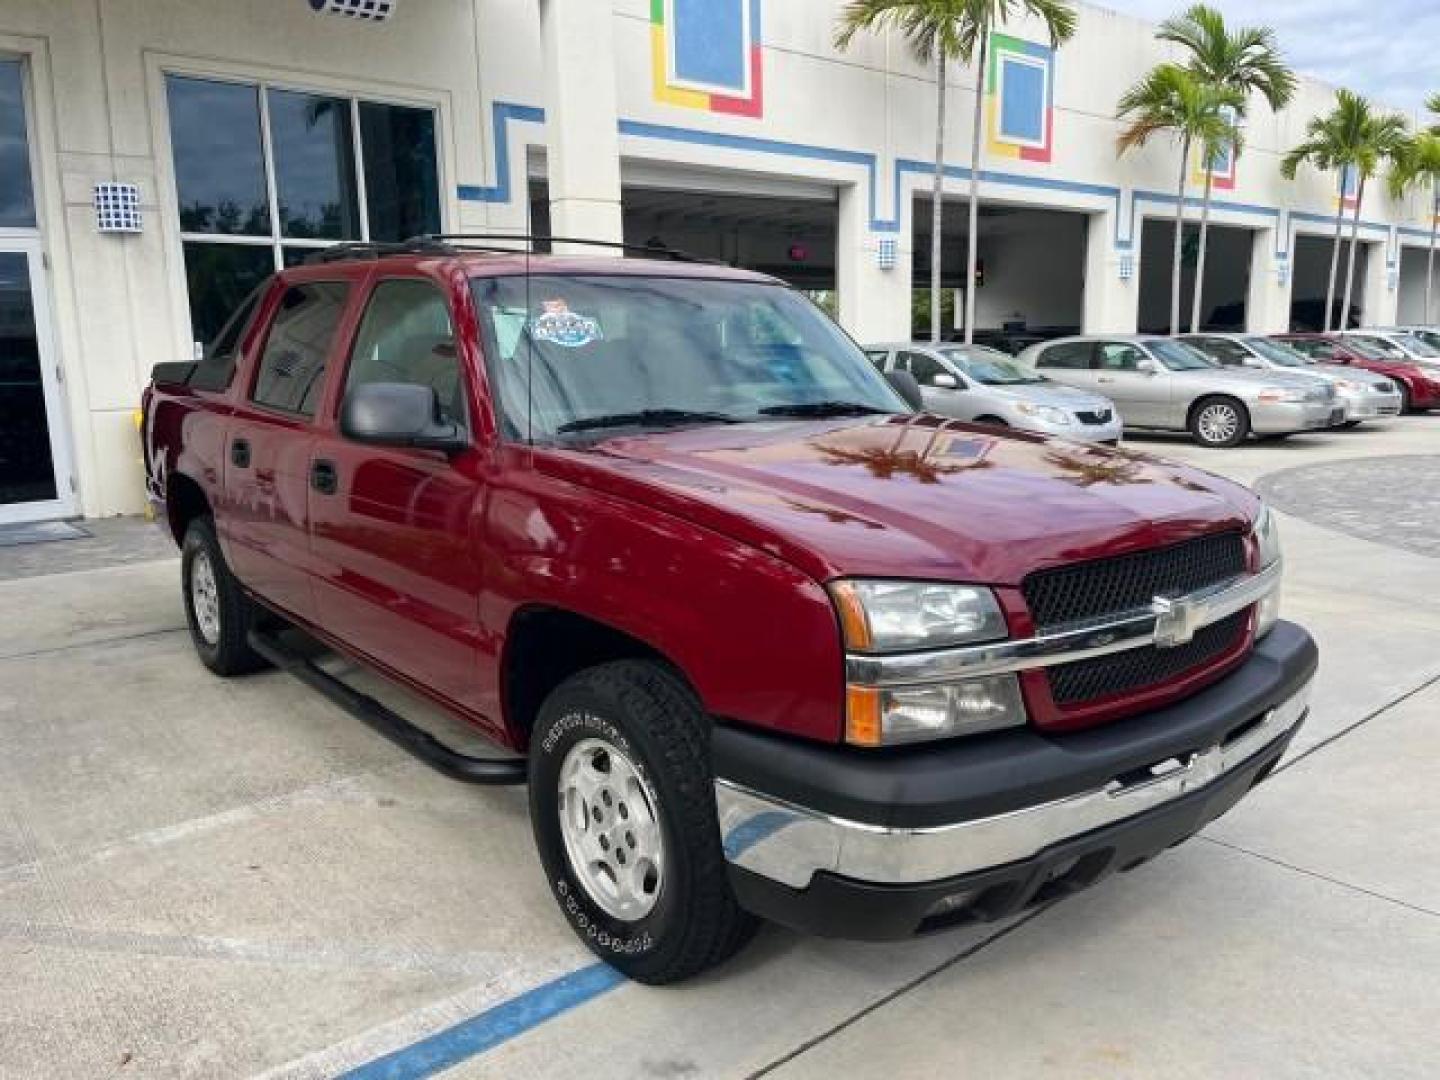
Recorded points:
(1022,101)
(708,43)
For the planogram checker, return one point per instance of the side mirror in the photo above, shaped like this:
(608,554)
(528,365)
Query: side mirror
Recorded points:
(906,386)
(1146,366)
(399,414)
(945,382)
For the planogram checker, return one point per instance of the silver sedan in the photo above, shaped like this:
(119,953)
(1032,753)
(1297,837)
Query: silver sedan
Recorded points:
(980,384)
(1166,385)
(1365,395)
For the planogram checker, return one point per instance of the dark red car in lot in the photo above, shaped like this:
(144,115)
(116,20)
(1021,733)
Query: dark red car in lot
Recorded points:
(1419,387)
(761,639)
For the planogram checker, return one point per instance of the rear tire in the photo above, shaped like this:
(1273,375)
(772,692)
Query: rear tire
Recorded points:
(1219,422)
(622,804)
(217,610)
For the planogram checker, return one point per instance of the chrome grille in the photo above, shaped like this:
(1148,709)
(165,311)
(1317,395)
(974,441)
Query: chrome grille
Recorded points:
(1082,592)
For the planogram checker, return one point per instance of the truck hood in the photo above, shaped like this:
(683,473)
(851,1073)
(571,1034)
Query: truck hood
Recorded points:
(911,496)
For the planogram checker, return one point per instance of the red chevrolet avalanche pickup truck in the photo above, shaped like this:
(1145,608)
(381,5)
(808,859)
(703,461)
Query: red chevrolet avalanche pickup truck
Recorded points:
(761,639)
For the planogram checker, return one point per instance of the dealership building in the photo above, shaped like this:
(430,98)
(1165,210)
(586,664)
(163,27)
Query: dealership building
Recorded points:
(159,157)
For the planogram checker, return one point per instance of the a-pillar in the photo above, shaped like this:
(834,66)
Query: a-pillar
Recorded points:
(1112,279)
(1267,302)
(873,272)
(583,141)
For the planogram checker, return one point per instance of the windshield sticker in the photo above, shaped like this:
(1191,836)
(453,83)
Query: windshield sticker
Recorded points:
(558,325)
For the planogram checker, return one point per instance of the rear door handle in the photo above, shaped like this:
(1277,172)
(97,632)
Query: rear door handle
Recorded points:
(240,453)
(323,477)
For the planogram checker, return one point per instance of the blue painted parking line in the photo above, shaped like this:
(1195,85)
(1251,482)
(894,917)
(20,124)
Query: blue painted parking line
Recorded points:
(494,1026)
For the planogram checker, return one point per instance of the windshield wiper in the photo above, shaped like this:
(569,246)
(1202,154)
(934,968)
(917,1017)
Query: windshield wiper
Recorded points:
(647,418)
(821,409)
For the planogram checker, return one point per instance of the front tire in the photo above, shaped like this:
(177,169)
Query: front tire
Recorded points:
(216,609)
(1350,425)
(622,804)
(1219,422)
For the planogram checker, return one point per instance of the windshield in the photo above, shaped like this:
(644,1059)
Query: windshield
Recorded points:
(1375,348)
(1278,353)
(1177,356)
(989,366)
(571,353)
(1417,346)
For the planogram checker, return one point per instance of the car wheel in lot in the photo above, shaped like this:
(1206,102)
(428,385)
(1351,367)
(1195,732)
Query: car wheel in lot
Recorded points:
(216,609)
(1219,422)
(993,421)
(622,803)
(1405,403)
(1350,425)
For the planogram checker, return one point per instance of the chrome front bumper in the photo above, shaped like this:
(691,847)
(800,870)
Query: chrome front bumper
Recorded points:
(790,844)
(1282,417)
(1371,406)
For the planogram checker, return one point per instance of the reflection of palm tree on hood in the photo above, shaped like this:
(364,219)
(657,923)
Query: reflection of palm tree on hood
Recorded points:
(885,463)
(1085,468)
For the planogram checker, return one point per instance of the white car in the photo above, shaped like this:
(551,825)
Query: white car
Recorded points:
(983,385)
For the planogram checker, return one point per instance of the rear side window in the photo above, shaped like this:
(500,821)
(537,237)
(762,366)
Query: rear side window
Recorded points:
(1070,356)
(1320,350)
(292,367)
(1120,356)
(1221,350)
(217,367)
(405,336)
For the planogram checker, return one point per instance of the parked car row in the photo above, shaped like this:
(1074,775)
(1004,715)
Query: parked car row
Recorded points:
(1220,387)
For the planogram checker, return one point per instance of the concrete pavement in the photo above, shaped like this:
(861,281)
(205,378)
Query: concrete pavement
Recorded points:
(224,878)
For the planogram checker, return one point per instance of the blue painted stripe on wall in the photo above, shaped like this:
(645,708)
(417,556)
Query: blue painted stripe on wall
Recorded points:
(504,112)
(488,1030)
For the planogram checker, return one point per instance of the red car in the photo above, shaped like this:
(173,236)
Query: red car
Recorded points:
(1419,387)
(761,639)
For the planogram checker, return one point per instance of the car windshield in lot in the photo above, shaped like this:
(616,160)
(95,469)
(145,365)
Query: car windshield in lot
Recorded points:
(989,366)
(1376,348)
(1277,353)
(1177,356)
(1418,346)
(574,353)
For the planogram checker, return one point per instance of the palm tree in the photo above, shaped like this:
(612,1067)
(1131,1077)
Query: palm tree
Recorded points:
(1174,100)
(1417,164)
(1352,136)
(940,31)
(1246,60)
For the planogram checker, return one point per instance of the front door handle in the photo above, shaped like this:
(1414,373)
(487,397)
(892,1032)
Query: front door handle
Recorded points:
(323,476)
(240,453)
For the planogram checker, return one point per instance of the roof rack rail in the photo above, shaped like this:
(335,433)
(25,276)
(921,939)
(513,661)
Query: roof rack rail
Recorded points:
(652,250)
(368,249)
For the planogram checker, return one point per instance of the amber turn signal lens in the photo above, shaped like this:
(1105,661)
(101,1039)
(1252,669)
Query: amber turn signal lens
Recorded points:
(862,716)
(853,621)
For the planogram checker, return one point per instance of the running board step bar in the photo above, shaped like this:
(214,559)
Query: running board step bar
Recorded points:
(404,734)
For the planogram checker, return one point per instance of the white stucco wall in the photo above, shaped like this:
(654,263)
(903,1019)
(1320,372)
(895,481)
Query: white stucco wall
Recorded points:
(860,123)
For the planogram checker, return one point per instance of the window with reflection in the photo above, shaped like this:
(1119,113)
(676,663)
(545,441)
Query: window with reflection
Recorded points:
(267,176)
(17,197)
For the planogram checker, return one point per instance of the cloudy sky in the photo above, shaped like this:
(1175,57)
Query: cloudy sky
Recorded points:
(1385,49)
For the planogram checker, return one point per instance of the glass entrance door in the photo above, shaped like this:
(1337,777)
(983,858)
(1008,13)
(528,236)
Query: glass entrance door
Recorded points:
(34,462)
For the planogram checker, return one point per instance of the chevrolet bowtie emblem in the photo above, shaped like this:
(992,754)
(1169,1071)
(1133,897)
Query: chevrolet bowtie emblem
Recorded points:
(1175,621)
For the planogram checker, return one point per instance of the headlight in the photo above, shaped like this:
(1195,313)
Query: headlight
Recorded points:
(1267,541)
(920,713)
(1048,413)
(1283,393)
(892,616)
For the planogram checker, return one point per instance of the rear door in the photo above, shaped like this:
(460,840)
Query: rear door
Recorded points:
(1070,363)
(396,531)
(1143,397)
(269,441)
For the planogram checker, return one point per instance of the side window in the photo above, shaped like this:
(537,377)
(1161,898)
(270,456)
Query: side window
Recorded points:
(292,367)
(1119,356)
(406,336)
(1069,356)
(217,367)
(1221,351)
(1318,350)
(878,357)
(923,367)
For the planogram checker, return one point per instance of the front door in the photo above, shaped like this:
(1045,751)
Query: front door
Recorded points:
(1143,397)
(35,470)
